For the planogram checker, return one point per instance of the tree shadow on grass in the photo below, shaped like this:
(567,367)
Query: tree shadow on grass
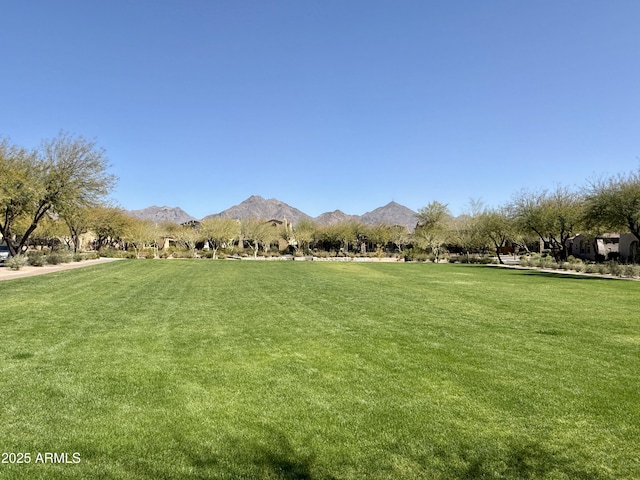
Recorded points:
(270,456)
(521,460)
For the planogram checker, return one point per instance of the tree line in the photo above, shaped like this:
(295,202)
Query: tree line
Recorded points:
(58,192)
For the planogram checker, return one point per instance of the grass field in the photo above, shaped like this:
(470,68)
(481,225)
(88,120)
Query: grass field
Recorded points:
(211,369)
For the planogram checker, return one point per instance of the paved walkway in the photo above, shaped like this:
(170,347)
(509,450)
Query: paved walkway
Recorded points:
(27,271)
(566,272)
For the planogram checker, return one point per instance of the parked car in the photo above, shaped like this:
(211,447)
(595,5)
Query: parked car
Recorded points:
(4,253)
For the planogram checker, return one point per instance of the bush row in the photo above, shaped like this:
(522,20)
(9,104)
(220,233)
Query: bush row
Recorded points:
(577,265)
(38,258)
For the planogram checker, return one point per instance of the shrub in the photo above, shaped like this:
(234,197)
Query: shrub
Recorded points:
(591,268)
(111,252)
(16,262)
(525,261)
(36,258)
(56,258)
(78,257)
(547,262)
(486,260)
(615,269)
(421,257)
(182,254)
(631,271)
(579,267)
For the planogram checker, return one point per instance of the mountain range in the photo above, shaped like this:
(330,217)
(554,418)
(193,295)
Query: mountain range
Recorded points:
(257,207)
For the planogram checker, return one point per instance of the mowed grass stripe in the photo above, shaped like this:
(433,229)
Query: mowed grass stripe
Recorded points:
(209,369)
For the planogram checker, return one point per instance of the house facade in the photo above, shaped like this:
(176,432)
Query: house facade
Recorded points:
(621,247)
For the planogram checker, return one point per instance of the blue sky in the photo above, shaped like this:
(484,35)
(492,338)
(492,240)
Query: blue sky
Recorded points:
(329,104)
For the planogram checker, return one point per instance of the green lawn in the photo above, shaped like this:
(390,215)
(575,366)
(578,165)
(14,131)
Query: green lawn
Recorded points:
(185,369)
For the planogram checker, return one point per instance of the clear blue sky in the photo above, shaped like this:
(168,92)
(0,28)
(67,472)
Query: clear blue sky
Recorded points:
(329,104)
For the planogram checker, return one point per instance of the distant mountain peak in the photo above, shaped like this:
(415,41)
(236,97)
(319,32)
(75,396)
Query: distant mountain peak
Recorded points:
(162,214)
(392,214)
(258,207)
(337,216)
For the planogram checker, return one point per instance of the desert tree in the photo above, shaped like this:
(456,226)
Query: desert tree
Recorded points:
(497,226)
(188,237)
(614,203)
(348,233)
(66,172)
(554,216)
(432,230)
(304,233)
(339,236)
(219,232)
(51,232)
(379,235)
(329,236)
(258,233)
(400,237)
(465,231)
(140,234)
(108,224)
(78,222)
(20,189)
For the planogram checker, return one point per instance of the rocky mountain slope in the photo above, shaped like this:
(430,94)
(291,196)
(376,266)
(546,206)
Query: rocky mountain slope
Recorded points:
(257,207)
(162,214)
(391,214)
(337,216)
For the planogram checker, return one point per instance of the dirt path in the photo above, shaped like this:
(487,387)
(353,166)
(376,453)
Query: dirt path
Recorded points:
(27,271)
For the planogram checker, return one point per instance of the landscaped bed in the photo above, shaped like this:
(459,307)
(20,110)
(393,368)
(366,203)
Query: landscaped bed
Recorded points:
(213,369)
